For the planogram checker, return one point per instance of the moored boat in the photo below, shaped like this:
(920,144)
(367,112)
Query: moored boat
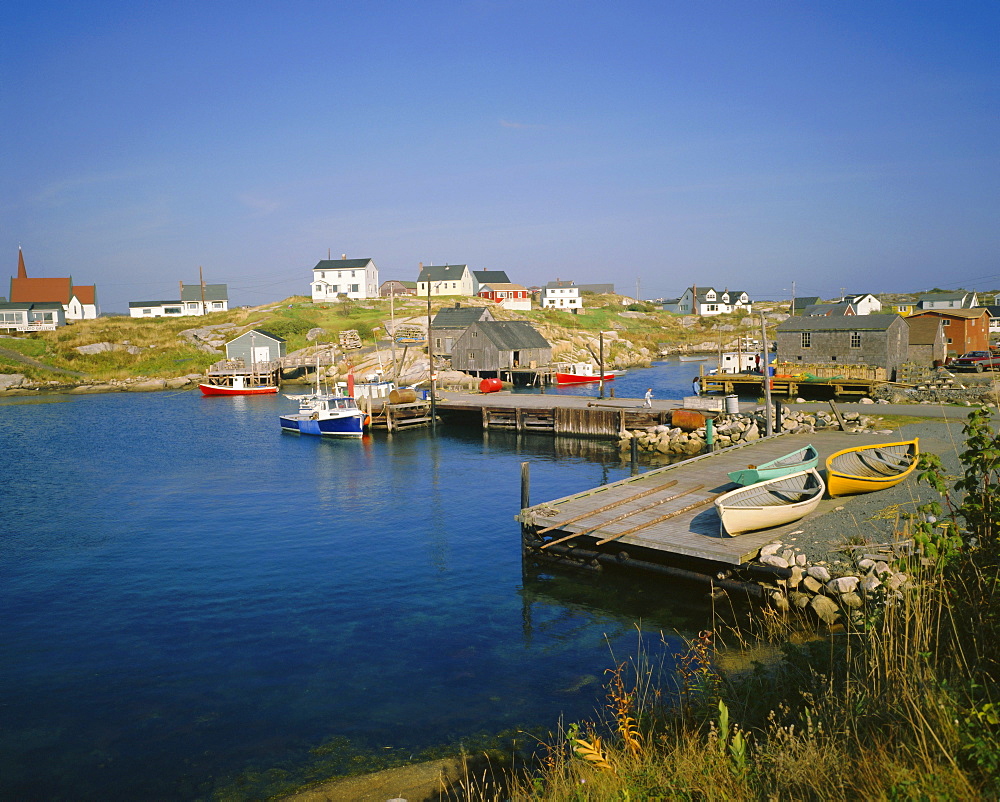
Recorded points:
(801,460)
(578,372)
(770,503)
(694,357)
(864,469)
(326,415)
(236,385)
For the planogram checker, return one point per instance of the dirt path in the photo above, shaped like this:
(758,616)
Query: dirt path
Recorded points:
(14,356)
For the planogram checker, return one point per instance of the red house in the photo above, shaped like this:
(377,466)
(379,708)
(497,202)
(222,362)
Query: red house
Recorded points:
(510,296)
(964,329)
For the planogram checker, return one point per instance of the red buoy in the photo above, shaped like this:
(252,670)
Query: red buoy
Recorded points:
(490,386)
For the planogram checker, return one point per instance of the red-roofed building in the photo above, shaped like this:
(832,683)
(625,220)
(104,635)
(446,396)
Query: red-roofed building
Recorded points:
(79,302)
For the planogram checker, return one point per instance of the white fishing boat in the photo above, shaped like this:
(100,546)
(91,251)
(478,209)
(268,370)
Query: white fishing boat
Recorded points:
(771,503)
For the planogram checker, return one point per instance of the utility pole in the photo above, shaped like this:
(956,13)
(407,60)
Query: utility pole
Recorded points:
(392,334)
(430,358)
(201,278)
(793,299)
(768,423)
(600,367)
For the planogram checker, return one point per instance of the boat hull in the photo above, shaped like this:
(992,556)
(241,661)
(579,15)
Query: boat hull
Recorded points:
(801,460)
(573,378)
(768,504)
(865,469)
(347,426)
(215,389)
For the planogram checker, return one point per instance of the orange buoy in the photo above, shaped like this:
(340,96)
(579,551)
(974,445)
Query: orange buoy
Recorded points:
(490,386)
(687,419)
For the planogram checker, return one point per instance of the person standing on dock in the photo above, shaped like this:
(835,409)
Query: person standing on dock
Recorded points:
(648,402)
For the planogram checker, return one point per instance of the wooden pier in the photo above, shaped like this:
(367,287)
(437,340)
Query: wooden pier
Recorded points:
(393,417)
(749,384)
(666,517)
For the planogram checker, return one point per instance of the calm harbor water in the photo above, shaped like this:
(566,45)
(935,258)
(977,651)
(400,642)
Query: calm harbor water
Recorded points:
(194,599)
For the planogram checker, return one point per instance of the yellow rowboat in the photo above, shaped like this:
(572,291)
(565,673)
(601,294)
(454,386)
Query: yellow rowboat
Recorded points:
(866,468)
(773,502)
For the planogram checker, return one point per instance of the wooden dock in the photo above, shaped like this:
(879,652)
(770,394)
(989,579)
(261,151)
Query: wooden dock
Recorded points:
(569,416)
(749,384)
(667,515)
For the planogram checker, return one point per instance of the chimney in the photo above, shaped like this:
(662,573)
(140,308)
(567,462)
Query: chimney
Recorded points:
(343,256)
(328,250)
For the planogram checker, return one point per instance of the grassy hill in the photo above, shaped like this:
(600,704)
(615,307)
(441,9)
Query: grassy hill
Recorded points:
(172,347)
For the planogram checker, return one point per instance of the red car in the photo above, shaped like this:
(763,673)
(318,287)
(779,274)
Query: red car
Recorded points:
(977,361)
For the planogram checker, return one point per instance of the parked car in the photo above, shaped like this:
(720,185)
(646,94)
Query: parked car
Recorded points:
(977,361)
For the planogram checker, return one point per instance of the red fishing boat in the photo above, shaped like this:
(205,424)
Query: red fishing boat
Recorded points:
(578,372)
(237,385)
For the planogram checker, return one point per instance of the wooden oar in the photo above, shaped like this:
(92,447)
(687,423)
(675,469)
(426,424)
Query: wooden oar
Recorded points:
(662,518)
(623,516)
(607,507)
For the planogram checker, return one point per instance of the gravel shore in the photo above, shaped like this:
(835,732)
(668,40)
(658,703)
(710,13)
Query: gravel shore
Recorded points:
(874,516)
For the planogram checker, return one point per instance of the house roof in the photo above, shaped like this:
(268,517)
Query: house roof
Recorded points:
(509,335)
(458,317)
(924,330)
(137,304)
(559,284)
(17,306)
(502,287)
(85,293)
(959,295)
(442,272)
(970,314)
(827,310)
(806,301)
(703,292)
(410,285)
(491,276)
(213,292)
(259,332)
(993,310)
(854,323)
(342,264)
(55,290)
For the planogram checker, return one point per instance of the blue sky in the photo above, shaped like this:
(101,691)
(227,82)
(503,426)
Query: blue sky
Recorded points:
(740,144)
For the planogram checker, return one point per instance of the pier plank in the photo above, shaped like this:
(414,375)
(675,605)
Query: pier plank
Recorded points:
(695,532)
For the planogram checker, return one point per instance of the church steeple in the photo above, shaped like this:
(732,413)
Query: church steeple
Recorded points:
(21,272)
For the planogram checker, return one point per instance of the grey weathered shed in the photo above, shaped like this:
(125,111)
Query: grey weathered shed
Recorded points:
(256,346)
(876,340)
(928,344)
(489,347)
(451,322)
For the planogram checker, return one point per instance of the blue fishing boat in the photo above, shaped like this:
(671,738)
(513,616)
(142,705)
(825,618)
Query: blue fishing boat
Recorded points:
(801,460)
(326,415)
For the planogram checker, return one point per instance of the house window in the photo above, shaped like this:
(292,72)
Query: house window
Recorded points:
(946,322)
(806,339)
(437,342)
(355,287)
(216,304)
(855,339)
(147,311)
(949,341)
(472,356)
(171,310)
(334,288)
(192,306)
(319,288)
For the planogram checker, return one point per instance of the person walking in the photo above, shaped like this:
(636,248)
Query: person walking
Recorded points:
(648,402)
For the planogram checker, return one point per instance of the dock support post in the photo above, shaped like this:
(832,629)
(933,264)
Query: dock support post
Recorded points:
(525,492)
(635,456)
(709,435)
